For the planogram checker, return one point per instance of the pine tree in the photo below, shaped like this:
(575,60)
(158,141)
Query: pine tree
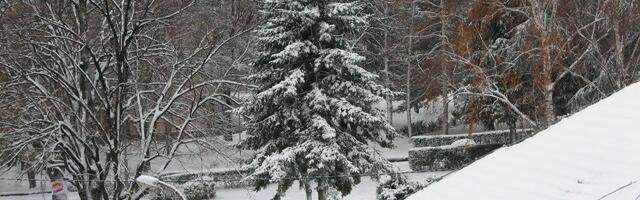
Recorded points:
(314,113)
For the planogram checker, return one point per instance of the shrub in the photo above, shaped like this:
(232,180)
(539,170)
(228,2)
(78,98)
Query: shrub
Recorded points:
(396,189)
(197,189)
(200,189)
(447,157)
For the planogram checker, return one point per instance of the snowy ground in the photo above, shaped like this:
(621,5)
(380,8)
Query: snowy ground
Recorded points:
(195,158)
(45,196)
(583,157)
(363,191)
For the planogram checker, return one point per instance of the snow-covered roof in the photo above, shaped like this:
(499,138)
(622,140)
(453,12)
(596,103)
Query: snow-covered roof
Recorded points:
(593,154)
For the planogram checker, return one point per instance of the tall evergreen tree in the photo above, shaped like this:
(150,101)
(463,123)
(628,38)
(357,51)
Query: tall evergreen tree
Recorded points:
(313,114)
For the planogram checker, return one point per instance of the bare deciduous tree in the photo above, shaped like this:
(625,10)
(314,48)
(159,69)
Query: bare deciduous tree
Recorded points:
(99,76)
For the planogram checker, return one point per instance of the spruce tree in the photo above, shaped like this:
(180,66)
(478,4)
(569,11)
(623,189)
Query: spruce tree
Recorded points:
(314,115)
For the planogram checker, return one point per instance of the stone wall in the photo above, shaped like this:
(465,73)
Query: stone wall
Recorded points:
(447,157)
(490,137)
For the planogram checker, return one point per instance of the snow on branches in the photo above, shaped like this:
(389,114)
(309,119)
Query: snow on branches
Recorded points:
(313,114)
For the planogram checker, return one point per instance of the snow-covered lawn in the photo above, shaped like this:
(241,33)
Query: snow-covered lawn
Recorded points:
(363,191)
(45,196)
(196,158)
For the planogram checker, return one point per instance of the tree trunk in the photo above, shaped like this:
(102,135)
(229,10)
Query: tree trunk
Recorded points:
(445,89)
(619,51)
(169,132)
(92,193)
(323,190)
(408,103)
(388,99)
(512,131)
(549,113)
(389,110)
(445,111)
(387,73)
(408,75)
(308,190)
(32,178)
(228,134)
(31,175)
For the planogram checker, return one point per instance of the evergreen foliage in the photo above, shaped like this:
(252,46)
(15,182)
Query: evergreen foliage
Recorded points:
(313,114)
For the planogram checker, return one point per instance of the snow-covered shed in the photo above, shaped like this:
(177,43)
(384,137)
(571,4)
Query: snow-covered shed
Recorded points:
(594,154)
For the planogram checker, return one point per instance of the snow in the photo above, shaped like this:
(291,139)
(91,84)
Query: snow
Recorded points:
(149,181)
(186,164)
(585,156)
(463,142)
(466,134)
(631,189)
(45,196)
(363,191)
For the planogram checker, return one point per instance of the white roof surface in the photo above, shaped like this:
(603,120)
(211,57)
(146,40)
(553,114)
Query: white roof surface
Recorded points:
(586,156)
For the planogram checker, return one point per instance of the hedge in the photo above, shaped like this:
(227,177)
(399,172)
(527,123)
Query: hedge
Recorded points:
(447,157)
(490,137)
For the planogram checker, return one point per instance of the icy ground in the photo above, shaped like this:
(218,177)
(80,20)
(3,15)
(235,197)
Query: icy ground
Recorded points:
(583,157)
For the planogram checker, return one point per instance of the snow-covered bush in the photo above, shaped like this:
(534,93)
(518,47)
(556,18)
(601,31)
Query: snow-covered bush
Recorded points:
(200,189)
(162,194)
(197,189)
(396,189)
(334,194)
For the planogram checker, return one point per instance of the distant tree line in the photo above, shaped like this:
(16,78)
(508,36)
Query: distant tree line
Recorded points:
(504,61)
